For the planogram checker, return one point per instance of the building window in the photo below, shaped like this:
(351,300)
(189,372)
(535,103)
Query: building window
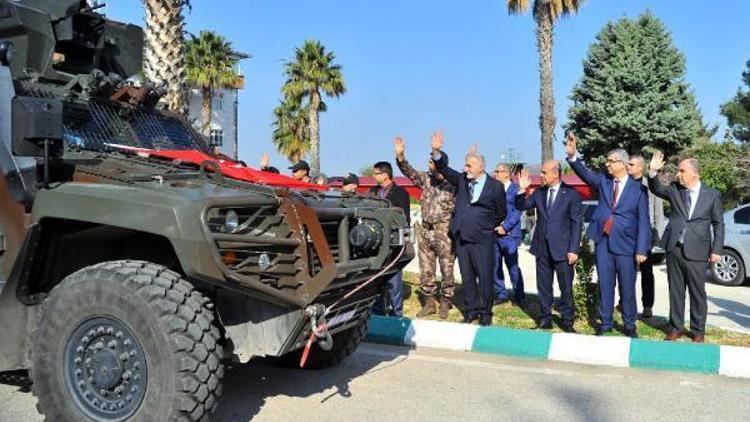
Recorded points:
(217,138)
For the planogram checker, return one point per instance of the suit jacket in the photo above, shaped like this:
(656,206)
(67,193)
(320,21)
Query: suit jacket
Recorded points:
(707,213)
(512,223)
(475,222)
(397,196)
(558,228)
(631,228)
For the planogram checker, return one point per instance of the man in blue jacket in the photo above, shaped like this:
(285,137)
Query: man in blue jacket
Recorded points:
(506,247)
(556,242)
(480,209)
(621,231)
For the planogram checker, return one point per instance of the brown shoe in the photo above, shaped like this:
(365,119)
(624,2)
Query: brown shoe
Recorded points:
(445,306)
(674,335)
(698,338)
(429,308)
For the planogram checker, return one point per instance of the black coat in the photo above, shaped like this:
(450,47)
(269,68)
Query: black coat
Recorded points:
(475,222)
(397,196)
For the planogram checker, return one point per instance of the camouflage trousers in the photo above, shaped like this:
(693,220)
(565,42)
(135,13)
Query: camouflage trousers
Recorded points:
(436,245)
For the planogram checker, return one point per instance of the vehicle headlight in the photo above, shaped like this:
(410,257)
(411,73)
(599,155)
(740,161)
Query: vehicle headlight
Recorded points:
(231,221)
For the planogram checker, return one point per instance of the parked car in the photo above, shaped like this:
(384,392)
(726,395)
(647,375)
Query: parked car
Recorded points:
(657,254)
(735,257)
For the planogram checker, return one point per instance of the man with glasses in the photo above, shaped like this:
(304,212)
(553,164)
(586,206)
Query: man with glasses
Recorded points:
(388,190)
(620,229)
(506,247)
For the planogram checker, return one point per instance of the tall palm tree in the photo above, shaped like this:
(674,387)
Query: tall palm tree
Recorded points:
(210,63)
(546,13)
(164,49)
(291,134)
(311,72)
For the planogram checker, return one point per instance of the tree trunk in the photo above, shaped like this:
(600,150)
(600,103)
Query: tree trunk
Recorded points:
(207,110)
(314,134)
(544,38)
(163,51)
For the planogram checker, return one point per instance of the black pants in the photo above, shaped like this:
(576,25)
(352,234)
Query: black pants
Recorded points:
(691,274)
(546,268)
(477,262)
(647,282)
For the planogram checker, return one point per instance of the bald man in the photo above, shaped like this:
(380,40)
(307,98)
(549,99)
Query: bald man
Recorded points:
(693,239)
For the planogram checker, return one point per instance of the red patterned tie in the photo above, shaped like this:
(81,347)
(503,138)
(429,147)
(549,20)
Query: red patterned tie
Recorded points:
(610,220)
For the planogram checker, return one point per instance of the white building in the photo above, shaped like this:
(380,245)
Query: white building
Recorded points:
(224,121)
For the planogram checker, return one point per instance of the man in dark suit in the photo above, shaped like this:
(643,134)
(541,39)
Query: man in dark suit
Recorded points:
(695,210)
(398,197)
(557,239)
(480,209)
(506,247)
(621,231)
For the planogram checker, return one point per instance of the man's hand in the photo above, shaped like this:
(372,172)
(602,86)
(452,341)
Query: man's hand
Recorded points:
(399,147)
(657,161)
(640,259)
(714,259)
(437,141)
(473,149)
(264,160)
(571,145)
(572,258)
(524,181)
(500,230)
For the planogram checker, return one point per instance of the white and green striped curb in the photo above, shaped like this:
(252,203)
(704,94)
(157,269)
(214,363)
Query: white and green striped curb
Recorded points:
(610,351)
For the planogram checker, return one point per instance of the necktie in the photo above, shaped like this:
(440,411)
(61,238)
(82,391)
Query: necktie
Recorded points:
(550,199)
(471,190)
(687,201)
(611,219)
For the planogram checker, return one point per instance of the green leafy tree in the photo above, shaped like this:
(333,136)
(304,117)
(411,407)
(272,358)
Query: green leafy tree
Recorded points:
(210,63)
(633,94)
(291,134)
(546,13)
(737,111)
(311,74)
(725,166)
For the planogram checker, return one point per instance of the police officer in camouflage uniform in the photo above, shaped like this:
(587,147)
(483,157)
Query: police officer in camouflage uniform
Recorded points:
(438,201)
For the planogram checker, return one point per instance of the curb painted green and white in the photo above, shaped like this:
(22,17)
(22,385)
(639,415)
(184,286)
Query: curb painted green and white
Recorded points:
(610,351)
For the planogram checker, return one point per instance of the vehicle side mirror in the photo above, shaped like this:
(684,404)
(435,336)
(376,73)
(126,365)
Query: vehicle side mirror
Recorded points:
(37,127)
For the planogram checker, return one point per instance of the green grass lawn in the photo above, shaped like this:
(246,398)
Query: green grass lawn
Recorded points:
(511,316)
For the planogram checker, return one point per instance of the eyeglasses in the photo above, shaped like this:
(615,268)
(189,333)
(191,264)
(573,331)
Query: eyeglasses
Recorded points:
(611,161)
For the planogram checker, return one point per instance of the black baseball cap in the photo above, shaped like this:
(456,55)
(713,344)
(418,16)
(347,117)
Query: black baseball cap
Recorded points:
(351,179)
(301,165)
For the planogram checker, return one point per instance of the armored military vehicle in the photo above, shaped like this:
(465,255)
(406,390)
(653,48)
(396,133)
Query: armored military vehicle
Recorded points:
(127,279)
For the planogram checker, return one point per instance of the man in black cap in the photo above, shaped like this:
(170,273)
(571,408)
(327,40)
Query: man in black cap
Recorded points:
(300,171)
(350,183)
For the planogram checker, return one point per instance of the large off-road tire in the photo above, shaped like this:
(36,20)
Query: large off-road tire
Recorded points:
(126,340)
(344,344)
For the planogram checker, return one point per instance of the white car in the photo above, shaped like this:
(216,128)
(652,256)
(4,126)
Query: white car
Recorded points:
(735,257)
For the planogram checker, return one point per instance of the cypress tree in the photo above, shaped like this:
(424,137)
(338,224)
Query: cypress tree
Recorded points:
(633,93)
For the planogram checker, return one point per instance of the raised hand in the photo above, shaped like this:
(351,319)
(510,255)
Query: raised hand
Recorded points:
(437,140)
(524,181)
(571,145)
(399,147)
(473,149)
(657,161)
(264,161)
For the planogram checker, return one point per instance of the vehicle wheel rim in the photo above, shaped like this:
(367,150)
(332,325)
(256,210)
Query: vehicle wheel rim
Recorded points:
(106,369)
(727,269)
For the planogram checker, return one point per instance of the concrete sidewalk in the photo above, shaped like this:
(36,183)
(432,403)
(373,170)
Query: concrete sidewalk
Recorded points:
(728,307)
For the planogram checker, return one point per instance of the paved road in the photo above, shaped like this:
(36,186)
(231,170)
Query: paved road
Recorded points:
(384,383)
(728,307)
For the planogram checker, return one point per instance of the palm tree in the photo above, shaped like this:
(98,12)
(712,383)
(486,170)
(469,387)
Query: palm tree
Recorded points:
(210,63)
(291,134)
(311,72)
(164,49)
(546,13)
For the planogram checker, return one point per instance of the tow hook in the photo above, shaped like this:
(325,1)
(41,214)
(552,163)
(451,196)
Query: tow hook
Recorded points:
(319,325)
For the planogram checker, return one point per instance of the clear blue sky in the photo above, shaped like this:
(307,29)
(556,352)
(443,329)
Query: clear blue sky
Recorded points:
(465,67)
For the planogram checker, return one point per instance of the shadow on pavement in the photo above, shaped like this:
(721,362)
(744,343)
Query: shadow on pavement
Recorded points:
(247,386)
(18,379)
(737,312)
